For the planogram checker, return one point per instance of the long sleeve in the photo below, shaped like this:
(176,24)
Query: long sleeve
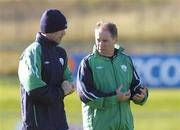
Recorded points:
(30,78)
(88,92)
(135,86)
(67,73)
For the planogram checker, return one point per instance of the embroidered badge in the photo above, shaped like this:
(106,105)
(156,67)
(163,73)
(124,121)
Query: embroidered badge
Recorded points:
(124,68)
(61,60)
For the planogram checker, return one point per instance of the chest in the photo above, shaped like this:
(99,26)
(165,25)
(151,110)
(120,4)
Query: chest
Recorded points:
(110,74)
(53,64)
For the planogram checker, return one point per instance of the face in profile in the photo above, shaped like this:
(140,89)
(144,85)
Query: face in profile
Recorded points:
(104,42)
(57,36)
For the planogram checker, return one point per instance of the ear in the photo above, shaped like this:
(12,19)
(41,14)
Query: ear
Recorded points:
(115,39)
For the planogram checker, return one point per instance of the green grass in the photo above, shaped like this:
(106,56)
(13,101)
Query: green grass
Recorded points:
(9,94)
(161,112)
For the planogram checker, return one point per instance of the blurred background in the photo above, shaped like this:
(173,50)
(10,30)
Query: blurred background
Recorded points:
(148,30)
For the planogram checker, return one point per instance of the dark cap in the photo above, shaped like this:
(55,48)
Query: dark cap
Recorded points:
(52,20)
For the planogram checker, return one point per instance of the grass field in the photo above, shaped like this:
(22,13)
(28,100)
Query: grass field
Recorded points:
(161,112)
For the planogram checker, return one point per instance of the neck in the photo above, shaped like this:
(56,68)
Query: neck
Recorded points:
(49,40)
(107,54)
(48,36)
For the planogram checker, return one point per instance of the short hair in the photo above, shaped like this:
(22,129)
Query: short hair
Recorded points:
(109,26)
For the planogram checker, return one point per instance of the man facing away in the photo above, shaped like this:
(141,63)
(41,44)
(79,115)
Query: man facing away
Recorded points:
(45,78)
(107,82)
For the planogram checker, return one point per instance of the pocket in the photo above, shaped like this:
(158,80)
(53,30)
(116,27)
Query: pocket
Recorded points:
(41,116)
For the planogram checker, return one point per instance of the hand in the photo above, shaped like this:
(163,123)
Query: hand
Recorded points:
(122,96)
(67,87)
(140,97)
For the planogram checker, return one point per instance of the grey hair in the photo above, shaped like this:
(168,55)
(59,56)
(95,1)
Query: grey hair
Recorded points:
(109,26)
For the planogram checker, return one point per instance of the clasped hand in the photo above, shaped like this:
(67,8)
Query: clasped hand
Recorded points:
(122,96)
(126,95)
(140,97)
(67,87)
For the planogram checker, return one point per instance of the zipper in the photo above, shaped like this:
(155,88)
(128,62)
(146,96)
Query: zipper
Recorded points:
(35,117)
(114,72)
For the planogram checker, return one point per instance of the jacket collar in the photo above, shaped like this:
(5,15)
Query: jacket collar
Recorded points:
(44,41)
(118,50)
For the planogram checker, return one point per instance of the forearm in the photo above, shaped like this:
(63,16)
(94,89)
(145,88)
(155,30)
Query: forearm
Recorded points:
(103,102)
(47,94)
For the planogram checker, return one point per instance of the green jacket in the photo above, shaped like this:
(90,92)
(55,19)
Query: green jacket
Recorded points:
(98,78)
(42,69)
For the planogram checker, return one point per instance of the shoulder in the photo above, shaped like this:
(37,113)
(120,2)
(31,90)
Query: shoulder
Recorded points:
(86,59)
(33,48)
(125,56)
(32,52)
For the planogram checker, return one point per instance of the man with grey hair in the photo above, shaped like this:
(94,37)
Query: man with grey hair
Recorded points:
(107,82)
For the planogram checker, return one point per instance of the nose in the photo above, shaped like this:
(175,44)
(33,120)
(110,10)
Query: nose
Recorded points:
(101,42)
